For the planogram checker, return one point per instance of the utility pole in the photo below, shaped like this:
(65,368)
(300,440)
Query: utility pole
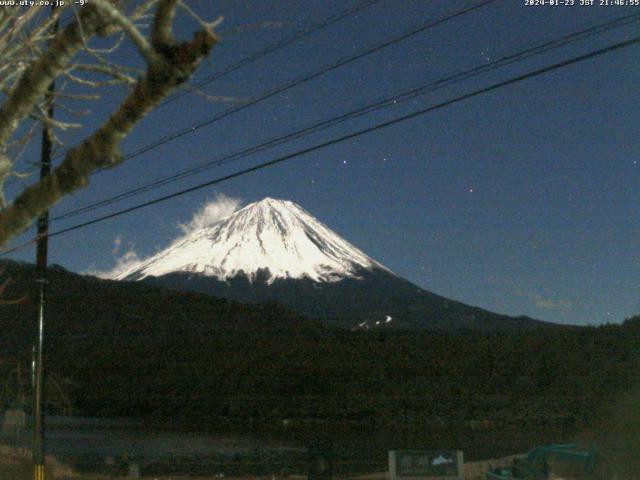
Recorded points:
(41,273)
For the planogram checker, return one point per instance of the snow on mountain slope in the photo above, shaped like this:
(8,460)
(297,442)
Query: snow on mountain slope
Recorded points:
(271,234)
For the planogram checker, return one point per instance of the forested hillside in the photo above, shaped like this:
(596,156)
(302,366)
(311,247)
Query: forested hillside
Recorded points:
(136,350)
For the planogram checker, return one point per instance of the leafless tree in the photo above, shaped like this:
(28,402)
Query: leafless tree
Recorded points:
(79,56)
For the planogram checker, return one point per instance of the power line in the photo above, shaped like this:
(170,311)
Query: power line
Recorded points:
(282,88)
(391,100)
(275,47)
(307,78)
(379,126)
(270,49)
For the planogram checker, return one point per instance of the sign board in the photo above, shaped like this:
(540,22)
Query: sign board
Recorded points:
(134,470)
(426,465)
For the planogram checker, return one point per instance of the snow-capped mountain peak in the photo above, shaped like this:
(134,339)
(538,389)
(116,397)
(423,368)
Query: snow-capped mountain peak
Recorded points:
(274,235)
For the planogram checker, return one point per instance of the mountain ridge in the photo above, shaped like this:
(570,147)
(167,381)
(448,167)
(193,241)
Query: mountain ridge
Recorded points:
(274,250)
(363,303)
(278,235)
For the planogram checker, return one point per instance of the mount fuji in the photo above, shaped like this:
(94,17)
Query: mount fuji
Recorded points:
(274,250)
(271,239)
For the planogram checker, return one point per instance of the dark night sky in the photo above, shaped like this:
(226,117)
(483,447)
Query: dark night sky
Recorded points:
(521,201)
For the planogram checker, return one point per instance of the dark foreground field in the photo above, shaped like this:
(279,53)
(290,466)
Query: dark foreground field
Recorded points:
(261,371)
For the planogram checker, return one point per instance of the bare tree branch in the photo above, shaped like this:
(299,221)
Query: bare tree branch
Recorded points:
(170,65)
(111,12)
(36,78)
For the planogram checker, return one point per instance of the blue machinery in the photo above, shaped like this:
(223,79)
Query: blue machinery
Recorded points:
(536,465)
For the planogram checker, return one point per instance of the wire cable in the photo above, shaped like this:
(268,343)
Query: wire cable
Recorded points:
(268,50)
(300,34)
(307,78)
(359,133)
(388,101)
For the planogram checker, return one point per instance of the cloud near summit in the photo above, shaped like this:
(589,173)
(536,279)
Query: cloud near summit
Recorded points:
(212,211)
